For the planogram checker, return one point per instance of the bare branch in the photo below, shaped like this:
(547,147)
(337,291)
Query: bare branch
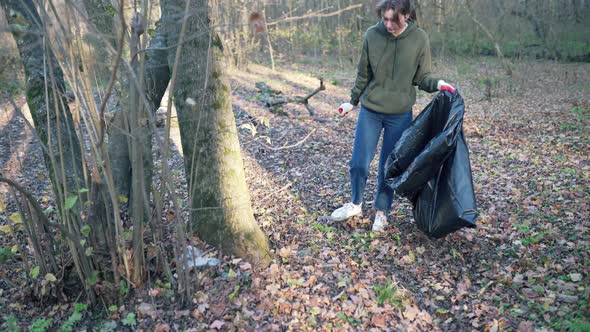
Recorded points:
(313,15)
(29,196)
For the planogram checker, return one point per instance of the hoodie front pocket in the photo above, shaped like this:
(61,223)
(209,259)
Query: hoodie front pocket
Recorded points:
(389,99)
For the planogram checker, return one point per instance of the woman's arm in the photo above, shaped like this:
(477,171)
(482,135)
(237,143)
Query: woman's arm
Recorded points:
(424,78)
(364,74)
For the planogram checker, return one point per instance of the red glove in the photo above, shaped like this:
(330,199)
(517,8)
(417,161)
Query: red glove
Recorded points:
(444,86)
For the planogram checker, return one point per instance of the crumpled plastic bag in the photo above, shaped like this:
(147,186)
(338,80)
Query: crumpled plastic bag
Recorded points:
(430,166)
(197,258)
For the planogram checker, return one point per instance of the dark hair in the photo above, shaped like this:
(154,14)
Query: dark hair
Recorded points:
(399,6)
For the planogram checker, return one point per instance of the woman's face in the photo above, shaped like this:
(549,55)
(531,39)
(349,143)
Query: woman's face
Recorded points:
(394,21)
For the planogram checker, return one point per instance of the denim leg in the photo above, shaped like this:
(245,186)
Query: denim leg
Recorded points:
(368,130)
(394,127)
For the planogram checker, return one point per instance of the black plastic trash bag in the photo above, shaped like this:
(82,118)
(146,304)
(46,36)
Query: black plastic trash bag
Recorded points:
(430,166)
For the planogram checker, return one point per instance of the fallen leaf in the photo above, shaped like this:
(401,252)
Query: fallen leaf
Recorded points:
(493,326)
(567,298)
(379,321)
(518,279)
(154,292)
(217,324)
(285,252)
(162,328)
(50,277)
(181,313)
(197,314)
(463,287)
(411,312)
(147,309)
(274,270)
(526,326)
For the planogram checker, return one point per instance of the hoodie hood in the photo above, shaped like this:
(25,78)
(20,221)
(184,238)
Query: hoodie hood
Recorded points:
(382,29)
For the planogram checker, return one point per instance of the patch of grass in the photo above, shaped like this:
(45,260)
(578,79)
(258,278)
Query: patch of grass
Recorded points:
(579,110)
(583,113)
(569,171)
(41,325)
(11,324)
(388,293)
(123,288)
(294,283)
(524,227)
(533,238)
(569,127)
(322,227)
(129,320)
(360,240)
(75,318)
(397,239)
(351,320)
(6,254)
(577,325)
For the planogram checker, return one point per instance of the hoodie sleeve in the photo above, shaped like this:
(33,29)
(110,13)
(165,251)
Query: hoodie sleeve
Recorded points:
(424,78)
(364,74)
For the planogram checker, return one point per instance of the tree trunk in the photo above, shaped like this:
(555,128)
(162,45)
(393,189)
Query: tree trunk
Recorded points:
(99,13)
(220,204)
(48,105)
(53,123)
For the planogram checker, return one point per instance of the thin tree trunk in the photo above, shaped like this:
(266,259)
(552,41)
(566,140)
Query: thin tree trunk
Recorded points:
(138,139)
(505,63)
(267,35)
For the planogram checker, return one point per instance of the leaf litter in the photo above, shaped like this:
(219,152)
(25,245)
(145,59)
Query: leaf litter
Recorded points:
(526,266)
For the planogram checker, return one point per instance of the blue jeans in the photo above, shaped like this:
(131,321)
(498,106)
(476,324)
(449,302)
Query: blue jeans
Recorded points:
(368,130)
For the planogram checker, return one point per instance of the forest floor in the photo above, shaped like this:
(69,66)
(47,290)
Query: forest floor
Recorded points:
(525,267)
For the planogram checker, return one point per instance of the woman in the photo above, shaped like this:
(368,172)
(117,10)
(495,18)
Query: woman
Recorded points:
(395,58)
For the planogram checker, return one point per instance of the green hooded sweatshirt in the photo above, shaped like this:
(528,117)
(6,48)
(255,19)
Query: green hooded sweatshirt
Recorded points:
(389,67)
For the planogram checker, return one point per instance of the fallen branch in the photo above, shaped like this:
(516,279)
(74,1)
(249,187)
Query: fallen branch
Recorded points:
(284,147)
(271,101)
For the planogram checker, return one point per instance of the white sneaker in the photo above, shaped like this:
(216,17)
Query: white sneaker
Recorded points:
(347,211)
(380,222)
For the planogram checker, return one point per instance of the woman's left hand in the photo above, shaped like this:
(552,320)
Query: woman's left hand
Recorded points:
(444,86)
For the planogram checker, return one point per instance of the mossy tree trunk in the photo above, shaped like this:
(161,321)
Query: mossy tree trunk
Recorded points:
(45,92)
(219,200)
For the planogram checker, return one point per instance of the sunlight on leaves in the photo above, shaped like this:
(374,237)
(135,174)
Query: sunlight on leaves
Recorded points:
(123,199)
(34,272)
(16,218)
(50,277)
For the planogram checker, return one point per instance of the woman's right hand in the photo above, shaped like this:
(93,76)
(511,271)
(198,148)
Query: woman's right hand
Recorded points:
(345,108)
